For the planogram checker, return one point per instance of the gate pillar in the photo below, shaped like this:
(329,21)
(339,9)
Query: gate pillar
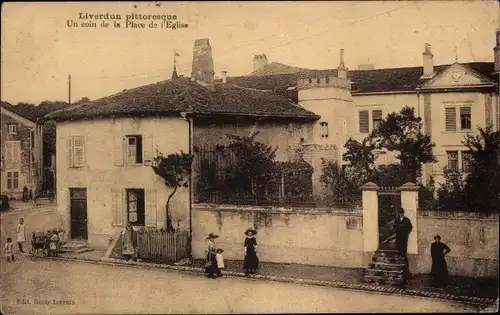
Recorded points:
(370,217)
(409,202)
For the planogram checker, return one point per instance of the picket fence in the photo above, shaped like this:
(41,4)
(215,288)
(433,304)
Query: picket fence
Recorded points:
(162,246)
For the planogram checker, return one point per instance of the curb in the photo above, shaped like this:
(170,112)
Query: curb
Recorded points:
(374,288)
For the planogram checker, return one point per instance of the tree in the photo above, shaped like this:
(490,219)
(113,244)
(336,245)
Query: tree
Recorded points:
(344,182)
(175,170)
(254,164)
(402,132)
(451,192)
(482,186)
(360,155)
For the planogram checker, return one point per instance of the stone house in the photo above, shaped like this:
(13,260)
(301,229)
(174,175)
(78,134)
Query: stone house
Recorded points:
(105,147)
(21,153)
(452,99)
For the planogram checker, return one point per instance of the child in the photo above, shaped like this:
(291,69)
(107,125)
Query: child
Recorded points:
(220,261)
(62,240)
(9,252)
(54,244)
(21,235)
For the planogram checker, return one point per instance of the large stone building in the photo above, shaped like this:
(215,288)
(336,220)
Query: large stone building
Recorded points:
(105,147)
(452,99)
(21,153)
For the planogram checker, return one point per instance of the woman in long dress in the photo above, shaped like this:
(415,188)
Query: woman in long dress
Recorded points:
(211,268)
(439,270)
(251,262)
(129,241)
(21,235)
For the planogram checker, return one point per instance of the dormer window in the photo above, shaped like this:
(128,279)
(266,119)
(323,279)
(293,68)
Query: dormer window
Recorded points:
(12,129)
(324,129)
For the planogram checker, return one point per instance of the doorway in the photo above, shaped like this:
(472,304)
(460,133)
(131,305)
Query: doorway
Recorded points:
(389,202)
(78,213)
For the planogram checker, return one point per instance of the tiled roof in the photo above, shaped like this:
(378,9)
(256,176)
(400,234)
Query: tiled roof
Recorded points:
(364,81)
(276,68)
(172,97)
(13,109)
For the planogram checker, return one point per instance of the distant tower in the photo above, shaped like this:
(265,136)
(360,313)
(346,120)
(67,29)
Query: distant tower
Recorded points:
(174,73)
(259,61)
(342,70)
(203,64)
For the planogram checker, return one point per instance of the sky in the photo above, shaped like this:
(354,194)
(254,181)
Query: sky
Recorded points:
(39,50)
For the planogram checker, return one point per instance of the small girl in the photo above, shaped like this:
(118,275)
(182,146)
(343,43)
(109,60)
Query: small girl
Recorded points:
(220,261)
(9,252)
(53,245)
(62,240)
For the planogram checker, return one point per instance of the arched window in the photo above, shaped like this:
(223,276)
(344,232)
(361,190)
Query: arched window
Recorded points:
(324,129)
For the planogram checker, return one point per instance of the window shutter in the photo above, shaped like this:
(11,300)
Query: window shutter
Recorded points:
(117,207)
(119,155)
(151,208)
(8,154)
(364,122)
(79,155)
(376,117)
(147,149)
(451,119)
(69,152)
(16,153)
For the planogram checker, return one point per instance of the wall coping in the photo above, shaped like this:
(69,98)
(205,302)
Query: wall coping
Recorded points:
(279,210)
(457,215)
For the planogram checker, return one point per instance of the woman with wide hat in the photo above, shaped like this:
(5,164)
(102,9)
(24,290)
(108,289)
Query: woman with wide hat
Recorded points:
(211,264)
(251,262)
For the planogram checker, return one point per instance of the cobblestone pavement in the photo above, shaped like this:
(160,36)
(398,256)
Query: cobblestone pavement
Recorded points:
(465,290)
(63,287)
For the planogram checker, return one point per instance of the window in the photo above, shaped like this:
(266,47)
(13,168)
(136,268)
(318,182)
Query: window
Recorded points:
(134,149)
(327,80)
(452,160)
(12,180)
(364,121)
(376,117)
(451,119)
(75,150)
(466,161)
(310,81)
(32,138)
(12,154)
(318,80)
(465,118)
(324,129)
(136,208)
(12,129)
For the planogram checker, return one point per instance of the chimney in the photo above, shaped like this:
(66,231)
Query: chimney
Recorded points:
(203,64)
(224,76)
(428,62)
(259,61)
(496,52)
(341,69)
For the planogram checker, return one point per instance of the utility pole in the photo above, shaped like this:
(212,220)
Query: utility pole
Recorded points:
(69,89)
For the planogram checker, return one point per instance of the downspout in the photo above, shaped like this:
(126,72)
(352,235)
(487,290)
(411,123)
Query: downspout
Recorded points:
(190,121)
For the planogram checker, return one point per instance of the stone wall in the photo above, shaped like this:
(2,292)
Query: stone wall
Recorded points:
(334,237)
(315,237)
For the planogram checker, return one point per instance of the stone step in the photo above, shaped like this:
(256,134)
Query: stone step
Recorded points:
(388,260)
(75,247)
(385,266)
(383,273)
(383,280)
(388,253)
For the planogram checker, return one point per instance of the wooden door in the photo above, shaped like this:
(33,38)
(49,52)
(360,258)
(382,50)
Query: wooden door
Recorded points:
(78,209)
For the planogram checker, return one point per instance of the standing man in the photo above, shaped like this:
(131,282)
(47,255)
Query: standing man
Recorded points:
(402,230)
